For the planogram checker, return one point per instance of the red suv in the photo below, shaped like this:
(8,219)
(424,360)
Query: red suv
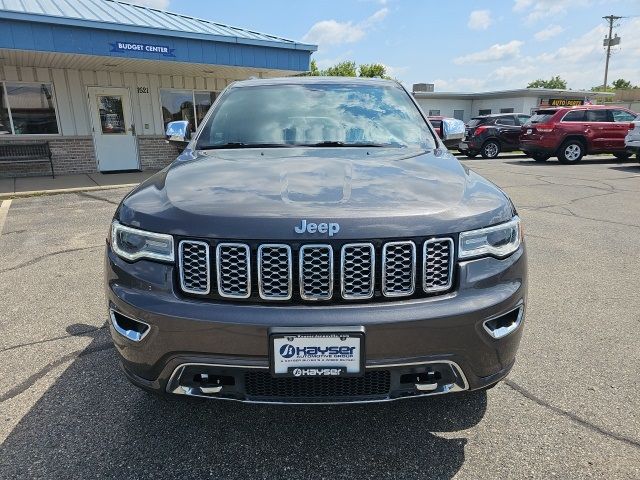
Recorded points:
(572,132)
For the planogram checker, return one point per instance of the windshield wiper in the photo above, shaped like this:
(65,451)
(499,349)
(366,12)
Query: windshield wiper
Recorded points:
(242,145)
(336,143)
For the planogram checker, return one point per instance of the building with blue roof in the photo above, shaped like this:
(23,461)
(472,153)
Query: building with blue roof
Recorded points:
(99,79)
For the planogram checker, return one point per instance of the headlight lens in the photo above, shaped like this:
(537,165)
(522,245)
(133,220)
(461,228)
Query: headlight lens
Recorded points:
(500,240)
(133,244)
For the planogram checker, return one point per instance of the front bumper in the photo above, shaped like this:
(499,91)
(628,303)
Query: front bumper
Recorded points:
(415,343)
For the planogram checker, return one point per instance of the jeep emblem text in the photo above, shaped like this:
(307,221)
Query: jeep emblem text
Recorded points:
(310,227)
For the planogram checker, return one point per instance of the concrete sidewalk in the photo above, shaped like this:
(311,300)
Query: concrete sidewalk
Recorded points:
(27,186)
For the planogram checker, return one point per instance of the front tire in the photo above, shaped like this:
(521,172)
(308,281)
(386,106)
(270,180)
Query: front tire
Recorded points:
(622,155)
(540,157)
(490,149)
(571,152)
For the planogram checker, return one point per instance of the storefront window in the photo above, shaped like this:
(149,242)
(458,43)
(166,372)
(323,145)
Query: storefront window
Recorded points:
(5,123)
(185,105)
(204,100)
(30,106)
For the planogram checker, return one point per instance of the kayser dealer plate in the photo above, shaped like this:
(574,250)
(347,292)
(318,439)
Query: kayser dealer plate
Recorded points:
(316,354)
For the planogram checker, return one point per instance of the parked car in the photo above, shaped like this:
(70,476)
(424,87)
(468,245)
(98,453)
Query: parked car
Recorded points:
(632,140)
(488,135)
(450,130)
(323,251)
(572,132)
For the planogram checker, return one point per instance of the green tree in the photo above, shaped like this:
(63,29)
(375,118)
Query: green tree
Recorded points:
(373,70)
(553,82)
(342,69)
(314,71)
(600,88)
(622,84)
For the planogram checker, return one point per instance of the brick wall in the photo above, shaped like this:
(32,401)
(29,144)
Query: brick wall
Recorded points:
(69,154)
(155,152)
(76,155)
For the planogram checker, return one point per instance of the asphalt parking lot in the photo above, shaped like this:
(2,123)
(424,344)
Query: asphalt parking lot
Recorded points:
(569,409)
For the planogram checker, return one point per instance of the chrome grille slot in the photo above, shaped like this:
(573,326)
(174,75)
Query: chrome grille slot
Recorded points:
(234,270)
(357,263)
(274,271)
(437,265)
(316,272)
(398,269)
(193,258)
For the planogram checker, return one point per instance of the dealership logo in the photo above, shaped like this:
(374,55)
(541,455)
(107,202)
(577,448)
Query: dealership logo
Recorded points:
(310,227)
(288,351)
(316,372)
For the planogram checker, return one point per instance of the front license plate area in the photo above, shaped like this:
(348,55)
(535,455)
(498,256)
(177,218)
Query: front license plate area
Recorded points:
(309,354)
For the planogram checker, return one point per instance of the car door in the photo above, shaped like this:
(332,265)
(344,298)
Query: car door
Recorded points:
(597,129)
(508,131)
(620,127)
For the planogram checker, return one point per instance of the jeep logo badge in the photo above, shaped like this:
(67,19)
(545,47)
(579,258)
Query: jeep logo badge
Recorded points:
(310,227)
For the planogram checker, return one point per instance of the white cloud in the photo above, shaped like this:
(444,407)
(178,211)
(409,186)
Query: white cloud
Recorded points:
(549,32)
(494,52)
(479,20)
(332,32)
(159,4)
(535,10)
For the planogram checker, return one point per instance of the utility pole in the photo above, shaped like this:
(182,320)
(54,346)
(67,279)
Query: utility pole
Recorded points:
(609,42)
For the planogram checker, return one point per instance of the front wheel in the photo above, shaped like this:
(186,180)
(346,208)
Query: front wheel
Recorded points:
(540,157)
(622,155)
(490,149)
(571,152)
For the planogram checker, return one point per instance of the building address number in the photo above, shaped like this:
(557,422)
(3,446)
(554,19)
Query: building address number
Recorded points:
(143,89)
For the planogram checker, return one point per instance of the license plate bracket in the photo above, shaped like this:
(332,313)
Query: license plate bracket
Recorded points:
(317,352)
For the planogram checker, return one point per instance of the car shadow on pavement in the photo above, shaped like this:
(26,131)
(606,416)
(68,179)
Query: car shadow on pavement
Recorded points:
(552,162)
(91,423)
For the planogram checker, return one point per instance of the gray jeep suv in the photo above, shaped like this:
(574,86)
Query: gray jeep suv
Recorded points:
(315,243)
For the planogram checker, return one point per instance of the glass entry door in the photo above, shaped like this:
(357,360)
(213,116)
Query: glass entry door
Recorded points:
(114,134)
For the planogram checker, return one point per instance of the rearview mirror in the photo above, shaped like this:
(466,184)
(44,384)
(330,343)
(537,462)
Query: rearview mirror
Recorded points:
(178,131)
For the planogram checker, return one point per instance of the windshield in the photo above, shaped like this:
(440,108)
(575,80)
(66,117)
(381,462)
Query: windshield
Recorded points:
(541,116)
(474,122)
(315,114)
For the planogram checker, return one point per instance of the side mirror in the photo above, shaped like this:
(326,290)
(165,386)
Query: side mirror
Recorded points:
(178,131)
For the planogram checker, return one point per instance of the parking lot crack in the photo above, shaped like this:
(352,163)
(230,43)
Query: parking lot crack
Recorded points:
(42,257)
(571,416)
(95,197)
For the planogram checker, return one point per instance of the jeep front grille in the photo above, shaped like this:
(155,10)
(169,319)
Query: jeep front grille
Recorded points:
(316,272)
(275,271)
(398,269)
(310,273)
(234,270)
(358,270)
(193,258)
(437,264)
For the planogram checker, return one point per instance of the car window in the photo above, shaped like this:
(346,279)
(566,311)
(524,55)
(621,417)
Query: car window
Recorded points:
(505,121)
(314,114)
(541,116)
(597,116)
(474,122)
(523,119)
(622,116)
(575,116)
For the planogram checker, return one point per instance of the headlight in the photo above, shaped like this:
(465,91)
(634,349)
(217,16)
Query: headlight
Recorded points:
(500,240)
(132,244)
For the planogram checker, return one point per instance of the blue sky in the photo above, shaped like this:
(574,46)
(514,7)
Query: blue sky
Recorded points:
(459,45)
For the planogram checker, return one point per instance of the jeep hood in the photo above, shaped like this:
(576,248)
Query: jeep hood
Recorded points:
(263,193)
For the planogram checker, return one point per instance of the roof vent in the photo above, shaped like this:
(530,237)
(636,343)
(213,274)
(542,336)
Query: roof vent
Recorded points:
(423,87)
